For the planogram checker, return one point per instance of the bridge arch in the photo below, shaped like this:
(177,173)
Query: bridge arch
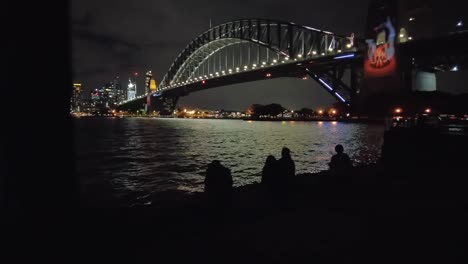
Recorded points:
(288,42)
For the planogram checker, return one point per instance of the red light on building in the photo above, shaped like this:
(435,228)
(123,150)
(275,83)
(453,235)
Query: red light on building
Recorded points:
(136,73)
(203,82)
(428,111)
(268,75)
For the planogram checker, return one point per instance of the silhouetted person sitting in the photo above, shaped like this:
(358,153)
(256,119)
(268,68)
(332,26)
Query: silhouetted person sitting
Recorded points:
(285,174)
(269,170)
(340,163)
(218,184)
(286,166)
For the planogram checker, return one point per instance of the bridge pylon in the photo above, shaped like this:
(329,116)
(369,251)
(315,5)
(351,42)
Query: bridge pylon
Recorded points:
(164,105)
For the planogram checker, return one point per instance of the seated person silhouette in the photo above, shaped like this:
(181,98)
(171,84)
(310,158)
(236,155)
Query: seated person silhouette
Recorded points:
(284,178)
(340,163)
(218,184)
(269,171)
(286,166)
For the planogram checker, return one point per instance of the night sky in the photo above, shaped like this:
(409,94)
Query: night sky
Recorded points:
(113,37)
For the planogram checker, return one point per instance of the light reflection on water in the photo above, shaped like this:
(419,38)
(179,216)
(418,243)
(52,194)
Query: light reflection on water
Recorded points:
(146,156)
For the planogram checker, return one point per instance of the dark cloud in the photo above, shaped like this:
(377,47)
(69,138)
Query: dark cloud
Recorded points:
(113,37)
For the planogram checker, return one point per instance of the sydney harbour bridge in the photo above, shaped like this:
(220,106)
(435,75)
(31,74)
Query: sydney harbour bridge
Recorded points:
(347,67)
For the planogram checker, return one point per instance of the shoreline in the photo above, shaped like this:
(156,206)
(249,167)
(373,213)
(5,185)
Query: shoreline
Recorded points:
(347,120)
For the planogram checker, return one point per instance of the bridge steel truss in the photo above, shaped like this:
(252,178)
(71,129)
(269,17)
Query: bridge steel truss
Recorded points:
(287,41)
(280,48)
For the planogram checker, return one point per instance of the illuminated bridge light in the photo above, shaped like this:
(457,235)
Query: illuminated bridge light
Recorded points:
(263,63)
(323,54)
(326,84)
(345,56)
(341,98)
(254,65)
(330,49)
(286,59)
(237,69)
(299,55)
(314,52)
(211,74)
(349,46)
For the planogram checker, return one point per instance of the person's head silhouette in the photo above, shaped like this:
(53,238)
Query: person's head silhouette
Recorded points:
(270,159)
(339,149)
(285,153)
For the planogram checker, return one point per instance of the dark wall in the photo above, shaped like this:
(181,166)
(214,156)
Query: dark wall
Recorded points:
(37,139)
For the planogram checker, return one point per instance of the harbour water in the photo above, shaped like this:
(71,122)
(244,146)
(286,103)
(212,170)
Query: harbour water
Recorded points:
(133,158)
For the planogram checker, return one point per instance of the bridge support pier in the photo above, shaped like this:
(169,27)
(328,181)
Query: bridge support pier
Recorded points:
(162,104)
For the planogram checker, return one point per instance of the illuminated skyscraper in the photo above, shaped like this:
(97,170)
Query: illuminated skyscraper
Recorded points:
(76,99)
(131,89)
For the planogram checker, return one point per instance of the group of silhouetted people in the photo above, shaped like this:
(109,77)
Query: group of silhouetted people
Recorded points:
(277,176)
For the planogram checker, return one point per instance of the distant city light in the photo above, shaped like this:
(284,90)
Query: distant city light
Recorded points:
(136,73)
(455,68)
(268,75)
(428,111)
(410,38)
(398,110)
(460,24)
(412,19)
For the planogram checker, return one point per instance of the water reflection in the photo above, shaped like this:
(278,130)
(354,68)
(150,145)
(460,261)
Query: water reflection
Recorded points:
(146,156)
